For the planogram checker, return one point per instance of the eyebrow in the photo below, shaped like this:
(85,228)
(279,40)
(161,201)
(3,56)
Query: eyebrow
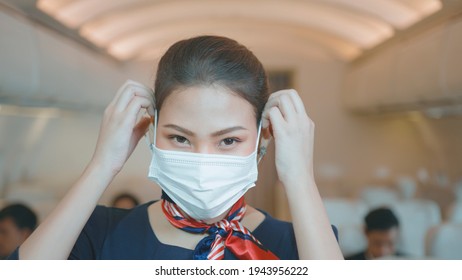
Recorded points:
(215,134)
(228,130)
(180,129)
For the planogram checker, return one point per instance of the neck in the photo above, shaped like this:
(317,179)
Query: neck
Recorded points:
(209,221)
(216,219)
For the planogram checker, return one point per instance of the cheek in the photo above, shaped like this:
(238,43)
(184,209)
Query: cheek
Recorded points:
(162,143)
(10,237)
(249,147)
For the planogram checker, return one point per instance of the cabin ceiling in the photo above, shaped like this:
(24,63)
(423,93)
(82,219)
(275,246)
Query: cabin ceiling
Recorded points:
(143,29)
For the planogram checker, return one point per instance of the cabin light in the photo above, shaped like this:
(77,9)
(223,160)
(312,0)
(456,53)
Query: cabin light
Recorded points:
(128,29)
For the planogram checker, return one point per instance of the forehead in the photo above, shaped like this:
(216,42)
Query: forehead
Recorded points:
(206,104)
(390,234)
(7,223)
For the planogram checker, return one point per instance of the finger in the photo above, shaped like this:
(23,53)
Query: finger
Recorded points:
(122,90)
(265,122)
(274,98)
(129,93)
(278,93)
(135,105)
(119,93)
(273,101)
(127,86)
(138,132)
(297,101)
(286,107)
(141,128)
(277,121)
(265,118)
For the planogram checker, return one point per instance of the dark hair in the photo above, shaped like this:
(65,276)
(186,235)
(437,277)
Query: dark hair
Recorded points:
(21,215)
(209,60)
(125,196)
(381,219)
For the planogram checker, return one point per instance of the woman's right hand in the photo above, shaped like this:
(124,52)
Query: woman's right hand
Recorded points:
(120,130)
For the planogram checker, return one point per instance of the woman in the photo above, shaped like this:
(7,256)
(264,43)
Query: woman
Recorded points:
(210,101)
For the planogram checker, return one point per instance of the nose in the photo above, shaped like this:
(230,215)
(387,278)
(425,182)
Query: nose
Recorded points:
(204,148)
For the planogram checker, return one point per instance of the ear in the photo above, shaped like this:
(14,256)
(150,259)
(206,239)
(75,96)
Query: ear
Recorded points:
(265,138)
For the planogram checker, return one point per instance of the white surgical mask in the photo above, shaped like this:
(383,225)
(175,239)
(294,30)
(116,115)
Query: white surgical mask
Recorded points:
(203,185)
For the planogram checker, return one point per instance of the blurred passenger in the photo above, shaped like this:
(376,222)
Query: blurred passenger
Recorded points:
(381,230)
(17,222)
(125,201)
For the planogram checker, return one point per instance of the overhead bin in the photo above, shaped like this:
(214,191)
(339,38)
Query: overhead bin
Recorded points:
(419,72)
(40,67)
(18,58)
(452,75)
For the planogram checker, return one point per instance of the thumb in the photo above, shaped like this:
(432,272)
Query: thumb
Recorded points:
(141,128)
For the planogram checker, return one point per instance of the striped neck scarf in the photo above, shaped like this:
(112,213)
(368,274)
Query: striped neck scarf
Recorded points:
(227,233)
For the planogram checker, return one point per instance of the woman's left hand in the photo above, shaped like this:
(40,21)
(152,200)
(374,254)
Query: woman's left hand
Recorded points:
(285,118)
(293,133)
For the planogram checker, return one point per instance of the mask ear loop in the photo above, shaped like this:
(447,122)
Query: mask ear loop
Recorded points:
(263,148)
(263,145)
(150,135)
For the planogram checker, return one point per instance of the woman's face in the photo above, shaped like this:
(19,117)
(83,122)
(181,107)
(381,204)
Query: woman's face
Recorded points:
(207,120)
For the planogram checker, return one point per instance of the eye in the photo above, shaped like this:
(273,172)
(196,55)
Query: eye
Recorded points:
(229,141)
(179,139)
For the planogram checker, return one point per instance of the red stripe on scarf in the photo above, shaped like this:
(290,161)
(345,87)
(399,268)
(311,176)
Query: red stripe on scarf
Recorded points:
(245,249)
